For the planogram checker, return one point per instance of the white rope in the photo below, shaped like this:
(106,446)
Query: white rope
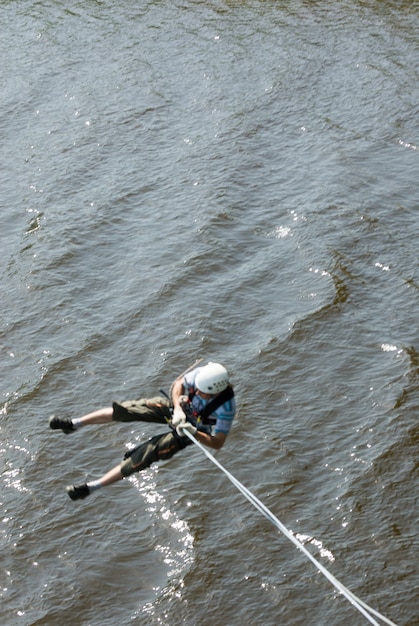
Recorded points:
(361,606)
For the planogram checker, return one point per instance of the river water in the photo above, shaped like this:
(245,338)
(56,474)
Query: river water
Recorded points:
(233,181)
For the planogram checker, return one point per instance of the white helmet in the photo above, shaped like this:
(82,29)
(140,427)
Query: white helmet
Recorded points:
(212,378)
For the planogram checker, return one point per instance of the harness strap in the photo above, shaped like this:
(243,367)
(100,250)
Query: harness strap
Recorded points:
(216,402)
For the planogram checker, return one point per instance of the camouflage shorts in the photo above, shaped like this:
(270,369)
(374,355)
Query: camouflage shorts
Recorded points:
(158,448)
(155,410)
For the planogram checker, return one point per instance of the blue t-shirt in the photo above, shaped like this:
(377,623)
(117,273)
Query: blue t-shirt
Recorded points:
(224,415)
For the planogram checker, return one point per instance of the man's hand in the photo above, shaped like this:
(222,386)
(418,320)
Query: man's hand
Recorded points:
(180,429)
(178,417)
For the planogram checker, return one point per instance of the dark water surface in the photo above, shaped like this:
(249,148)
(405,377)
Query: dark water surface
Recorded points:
(237,181)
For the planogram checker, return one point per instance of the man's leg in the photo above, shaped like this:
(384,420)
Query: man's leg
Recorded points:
(68,425)
(160,447)
(78,492)
(155,410)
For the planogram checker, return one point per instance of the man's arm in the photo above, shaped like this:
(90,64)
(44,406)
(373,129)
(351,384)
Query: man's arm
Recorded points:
(211,441)
(178,390)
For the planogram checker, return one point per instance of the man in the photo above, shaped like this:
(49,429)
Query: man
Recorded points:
(202,403)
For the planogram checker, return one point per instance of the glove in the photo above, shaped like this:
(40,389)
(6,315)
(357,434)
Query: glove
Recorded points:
(178,417)
(183,426)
